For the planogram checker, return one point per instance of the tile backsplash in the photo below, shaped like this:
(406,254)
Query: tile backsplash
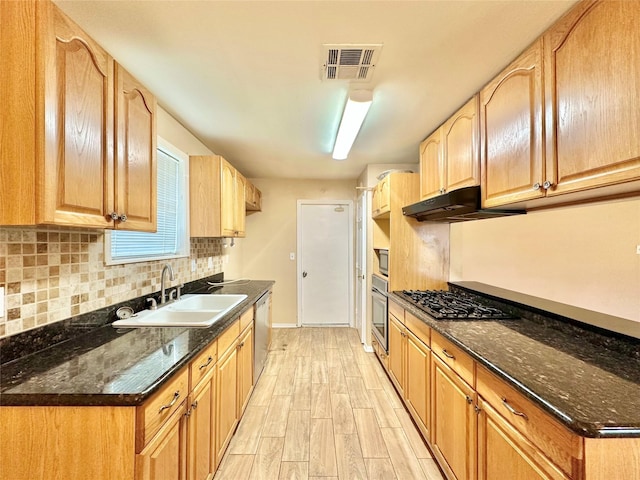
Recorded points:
(53,273)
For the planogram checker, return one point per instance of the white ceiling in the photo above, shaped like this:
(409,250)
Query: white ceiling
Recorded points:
(244,76)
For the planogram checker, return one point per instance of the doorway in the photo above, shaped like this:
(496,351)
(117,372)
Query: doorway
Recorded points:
(325,262)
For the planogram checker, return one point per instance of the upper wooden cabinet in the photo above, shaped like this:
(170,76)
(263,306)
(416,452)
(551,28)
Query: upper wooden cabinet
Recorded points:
(381,198)
(252,198)
(431,178)
(591,94)
(135,165)
(511,132)
(58,140)
(449,157)
(217,201)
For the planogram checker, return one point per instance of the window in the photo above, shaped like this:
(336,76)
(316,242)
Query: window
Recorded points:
(172,238)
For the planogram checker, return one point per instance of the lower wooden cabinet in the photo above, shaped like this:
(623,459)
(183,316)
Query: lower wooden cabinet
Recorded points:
(453,422)
(505,453)
(201,430)
(417,382)
(164,457)
(227,400)
(396,353)
(245,368)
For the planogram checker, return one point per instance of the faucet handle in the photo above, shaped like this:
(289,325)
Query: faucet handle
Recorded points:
(154,304)
(179,291)
(173,294)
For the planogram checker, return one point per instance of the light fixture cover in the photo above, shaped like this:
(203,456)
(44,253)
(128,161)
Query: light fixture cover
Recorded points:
(354,113)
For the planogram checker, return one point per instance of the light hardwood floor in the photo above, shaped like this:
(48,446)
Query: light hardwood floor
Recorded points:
(324,408)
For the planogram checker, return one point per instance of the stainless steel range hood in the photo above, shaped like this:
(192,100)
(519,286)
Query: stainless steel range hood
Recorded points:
(459,205)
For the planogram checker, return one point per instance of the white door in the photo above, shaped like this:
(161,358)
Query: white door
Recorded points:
(325,262)
(361,263)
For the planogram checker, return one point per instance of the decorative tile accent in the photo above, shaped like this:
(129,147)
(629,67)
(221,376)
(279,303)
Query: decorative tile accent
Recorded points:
(53,273)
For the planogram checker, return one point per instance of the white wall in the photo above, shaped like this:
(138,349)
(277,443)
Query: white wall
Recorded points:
(582,255)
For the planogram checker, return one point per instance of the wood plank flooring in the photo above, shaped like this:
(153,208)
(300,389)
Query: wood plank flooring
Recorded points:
(325,409)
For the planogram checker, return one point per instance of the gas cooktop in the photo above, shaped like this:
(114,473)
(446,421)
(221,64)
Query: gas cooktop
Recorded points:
(443,305)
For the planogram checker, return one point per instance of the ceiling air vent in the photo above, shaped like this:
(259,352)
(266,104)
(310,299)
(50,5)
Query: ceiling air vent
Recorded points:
(349,62)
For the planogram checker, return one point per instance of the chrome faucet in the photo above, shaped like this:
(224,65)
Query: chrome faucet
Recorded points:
(163,295)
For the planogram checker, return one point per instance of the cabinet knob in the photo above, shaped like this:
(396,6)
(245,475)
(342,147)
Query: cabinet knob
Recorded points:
(123,218)
(113,216)
(536,186)
(469,399)
(547,185)
(443,190)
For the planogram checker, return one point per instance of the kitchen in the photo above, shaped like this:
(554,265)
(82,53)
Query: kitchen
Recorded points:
(582,255)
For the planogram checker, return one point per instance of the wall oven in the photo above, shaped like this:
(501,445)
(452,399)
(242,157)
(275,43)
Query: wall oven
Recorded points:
(379,316)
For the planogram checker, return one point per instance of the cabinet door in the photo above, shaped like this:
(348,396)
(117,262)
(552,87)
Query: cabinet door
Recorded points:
(375,201)
(396,352)
(226,401)
(165,457)
(460,147)
(591,93)
(245,369)
(453,422)
(505,453)
(384,195)
(76,171)
(135,174)
(511,132)
(416,391)
(201,447)
(431,181)
(239,209)
(227,198)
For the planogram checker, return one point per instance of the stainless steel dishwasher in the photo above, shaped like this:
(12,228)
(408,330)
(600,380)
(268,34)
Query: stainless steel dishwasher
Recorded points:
(261,337)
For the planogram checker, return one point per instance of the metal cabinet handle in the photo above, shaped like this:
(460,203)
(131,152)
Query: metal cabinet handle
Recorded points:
(469,399)
(513,410)
(171,403)
(536,186)
(205,365)
(547,185)
(447,354)
(194,405)
(114,216)
(477,409)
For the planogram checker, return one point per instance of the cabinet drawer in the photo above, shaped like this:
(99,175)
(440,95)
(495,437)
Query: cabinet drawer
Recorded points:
(203,363)
(557,442)
(396,310)
(154,412)
(418,328)
(228,337)
(454,357)
(246,318)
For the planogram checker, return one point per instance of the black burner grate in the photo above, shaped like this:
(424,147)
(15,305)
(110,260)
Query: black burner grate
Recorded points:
(450,306)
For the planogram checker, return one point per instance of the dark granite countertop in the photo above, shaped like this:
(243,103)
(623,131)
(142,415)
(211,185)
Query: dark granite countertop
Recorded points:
(109,366)
(590,386)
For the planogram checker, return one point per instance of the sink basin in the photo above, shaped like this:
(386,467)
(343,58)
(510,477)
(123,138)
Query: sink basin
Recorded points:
(190,311)
(206,302)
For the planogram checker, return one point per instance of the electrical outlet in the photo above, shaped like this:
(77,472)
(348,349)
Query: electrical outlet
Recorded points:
(638,249)
(194,265)
(292,256)
(1,302)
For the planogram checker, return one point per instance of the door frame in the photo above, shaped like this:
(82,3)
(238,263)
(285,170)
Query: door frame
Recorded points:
(351,266)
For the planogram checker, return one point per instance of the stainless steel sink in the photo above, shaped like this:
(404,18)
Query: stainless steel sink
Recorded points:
(190,311)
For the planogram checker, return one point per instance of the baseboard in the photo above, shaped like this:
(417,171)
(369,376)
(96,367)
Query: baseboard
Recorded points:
(284,325)
(368,348)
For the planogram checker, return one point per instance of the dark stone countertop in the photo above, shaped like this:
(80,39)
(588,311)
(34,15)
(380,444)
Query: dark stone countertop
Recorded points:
(589,386)
(113,367)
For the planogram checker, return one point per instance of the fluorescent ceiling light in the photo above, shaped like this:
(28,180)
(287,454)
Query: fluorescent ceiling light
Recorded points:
(357,107)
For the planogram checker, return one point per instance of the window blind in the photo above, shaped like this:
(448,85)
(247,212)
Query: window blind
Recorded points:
(167,240)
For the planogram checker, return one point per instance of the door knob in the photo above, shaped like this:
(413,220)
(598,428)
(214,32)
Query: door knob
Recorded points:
(304,274)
